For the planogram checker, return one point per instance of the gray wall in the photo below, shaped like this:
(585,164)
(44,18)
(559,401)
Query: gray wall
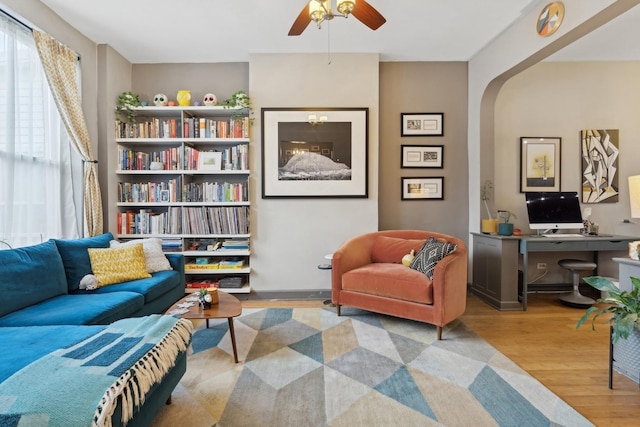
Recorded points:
(558,99)
(424,87)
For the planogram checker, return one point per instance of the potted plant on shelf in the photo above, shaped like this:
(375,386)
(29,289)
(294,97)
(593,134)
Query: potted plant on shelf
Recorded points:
(490,225)
(127,102)
(505,228)
(241,100)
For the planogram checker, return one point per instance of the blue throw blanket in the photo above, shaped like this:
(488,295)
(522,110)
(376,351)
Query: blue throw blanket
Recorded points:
(79,384)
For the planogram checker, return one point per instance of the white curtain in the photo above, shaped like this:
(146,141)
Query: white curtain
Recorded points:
(36,179)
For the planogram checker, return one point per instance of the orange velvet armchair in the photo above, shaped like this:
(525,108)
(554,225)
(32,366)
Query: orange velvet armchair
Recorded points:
(367,273)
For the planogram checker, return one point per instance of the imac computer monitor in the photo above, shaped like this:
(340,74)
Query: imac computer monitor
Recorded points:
(554,211)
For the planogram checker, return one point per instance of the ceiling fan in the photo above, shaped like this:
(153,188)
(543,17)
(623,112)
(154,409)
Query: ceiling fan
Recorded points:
(320,11)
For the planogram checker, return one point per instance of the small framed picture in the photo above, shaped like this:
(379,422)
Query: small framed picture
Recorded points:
(422,124)
(421,156)
(539,164)
(423,188)
(210,160)
(164,196)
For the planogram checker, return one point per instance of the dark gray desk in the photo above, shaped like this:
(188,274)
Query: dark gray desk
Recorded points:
(595,244)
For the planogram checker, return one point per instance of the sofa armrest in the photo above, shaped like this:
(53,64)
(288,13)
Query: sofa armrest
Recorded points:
(352,254)
(176,261)
(450,283)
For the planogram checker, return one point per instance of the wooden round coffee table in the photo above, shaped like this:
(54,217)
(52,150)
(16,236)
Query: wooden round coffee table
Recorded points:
(228,307)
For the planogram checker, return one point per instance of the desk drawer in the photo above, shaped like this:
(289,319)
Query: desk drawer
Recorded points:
(608,245)
(557,246)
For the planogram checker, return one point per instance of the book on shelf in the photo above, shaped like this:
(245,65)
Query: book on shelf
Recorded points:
(191,266)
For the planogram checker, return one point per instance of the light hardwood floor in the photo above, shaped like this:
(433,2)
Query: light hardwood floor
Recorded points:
(544,342)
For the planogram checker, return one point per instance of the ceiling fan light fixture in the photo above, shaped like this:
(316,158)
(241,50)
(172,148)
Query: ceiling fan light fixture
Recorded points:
(319,10)
(345,7)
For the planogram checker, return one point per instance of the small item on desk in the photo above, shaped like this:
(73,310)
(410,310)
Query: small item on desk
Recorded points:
(517,232)
(634,250)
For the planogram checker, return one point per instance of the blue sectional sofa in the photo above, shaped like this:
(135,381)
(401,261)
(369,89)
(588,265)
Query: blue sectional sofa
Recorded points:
(43,309)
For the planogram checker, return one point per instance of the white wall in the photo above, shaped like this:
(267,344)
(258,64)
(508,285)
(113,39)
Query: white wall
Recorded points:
(291,236)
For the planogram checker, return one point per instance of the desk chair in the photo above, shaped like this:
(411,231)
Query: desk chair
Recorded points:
(575,298)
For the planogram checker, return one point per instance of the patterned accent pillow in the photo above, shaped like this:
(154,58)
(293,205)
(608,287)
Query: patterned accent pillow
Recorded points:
(153,255)
(116,265)
(429,254)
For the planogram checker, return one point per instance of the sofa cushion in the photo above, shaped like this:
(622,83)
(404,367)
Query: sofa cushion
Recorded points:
(152,288)
(116,265)
(75,256)
(430,254)
(392,249)
(30,275)
(389,280)
(77,310)
(153,255)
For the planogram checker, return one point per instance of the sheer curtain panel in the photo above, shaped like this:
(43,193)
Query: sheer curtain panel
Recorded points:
(36,182)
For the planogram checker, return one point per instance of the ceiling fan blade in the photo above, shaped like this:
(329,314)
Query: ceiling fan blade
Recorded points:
(301,22)
(368,15)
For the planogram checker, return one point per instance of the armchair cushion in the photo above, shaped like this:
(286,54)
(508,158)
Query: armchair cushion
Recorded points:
(392,249)
(430,254)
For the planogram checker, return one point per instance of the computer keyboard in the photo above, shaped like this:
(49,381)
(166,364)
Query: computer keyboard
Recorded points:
(562,235)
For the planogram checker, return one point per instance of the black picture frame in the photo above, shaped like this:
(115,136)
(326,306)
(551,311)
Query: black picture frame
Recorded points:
(422,188)
(422,124)
(421,156)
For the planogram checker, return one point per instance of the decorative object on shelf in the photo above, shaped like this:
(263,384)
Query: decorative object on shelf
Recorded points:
(160,100)
(408,258)
(210,100)
(422,156)
(127,102)
(184,97)
(238,99)
(600,165)
(172,103)
(431,188)
(623,306)
(422,124)
(489,225)
(302,160)
(539,164)
(550,18)
(320,11)
(156,166)
(207,297)
(505,228)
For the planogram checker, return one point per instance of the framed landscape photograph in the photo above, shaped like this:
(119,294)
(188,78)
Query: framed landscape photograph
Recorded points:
(421,156)
(306,158)
(539,164)
(423,188)
(422,124)
(210,160)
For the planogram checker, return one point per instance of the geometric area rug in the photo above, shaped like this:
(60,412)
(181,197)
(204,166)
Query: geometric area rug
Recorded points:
(310,367)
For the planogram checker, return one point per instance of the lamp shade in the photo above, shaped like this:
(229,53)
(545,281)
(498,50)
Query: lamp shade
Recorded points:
(634,195)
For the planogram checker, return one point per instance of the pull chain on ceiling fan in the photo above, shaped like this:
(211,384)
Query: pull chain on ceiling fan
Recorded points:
(320,11)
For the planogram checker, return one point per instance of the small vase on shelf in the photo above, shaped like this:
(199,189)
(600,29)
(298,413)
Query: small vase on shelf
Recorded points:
(184,98)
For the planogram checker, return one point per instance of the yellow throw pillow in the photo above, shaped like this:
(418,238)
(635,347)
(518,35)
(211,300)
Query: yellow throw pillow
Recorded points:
(116,265)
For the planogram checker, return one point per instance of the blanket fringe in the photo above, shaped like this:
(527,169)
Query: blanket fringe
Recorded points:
(133,385)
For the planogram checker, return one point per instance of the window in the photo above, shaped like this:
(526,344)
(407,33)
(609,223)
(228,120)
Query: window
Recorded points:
(37,180)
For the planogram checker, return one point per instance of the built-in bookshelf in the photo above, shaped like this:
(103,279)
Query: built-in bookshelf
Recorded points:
(183,176)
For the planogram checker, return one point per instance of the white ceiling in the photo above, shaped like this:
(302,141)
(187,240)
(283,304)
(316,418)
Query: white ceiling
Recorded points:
(164,31)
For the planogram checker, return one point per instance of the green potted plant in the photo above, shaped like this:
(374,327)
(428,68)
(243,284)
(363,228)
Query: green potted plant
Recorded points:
(241,100)
(505,228)
(127,102)
(623,306)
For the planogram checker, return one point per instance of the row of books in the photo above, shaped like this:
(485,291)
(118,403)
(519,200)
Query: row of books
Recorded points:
(216,192)
(195,127)
(212,245)
(185,158)
(146,221)
(172,191)
(192,127)
(216,220)
(138,192)
(185,220)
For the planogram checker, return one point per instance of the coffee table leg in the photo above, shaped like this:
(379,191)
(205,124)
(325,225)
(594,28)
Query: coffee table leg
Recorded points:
(233,339)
